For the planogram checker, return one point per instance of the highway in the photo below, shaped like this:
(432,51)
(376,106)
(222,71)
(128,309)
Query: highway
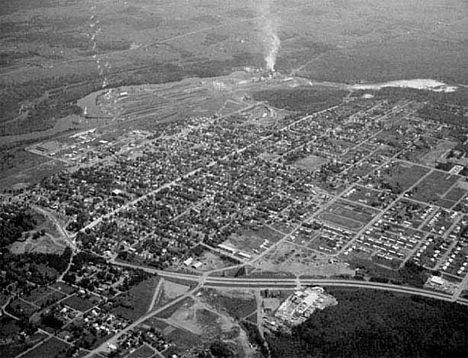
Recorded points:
(204,280)
(291,283)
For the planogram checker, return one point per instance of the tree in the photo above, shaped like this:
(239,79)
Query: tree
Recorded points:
(220,349)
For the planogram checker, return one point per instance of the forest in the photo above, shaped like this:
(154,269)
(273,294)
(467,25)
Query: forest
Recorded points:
(368,323)
(14,220)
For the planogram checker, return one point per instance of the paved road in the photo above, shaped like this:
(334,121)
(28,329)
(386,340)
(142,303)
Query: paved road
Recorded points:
(104,346)
(259,283)
(291,283)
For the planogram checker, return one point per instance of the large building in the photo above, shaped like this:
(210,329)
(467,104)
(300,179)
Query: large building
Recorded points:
(301,304)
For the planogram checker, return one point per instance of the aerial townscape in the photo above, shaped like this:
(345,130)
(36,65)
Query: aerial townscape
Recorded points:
(221,179)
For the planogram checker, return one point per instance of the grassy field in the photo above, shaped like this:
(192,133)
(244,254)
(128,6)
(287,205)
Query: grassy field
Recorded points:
(38,293)
(402,176)
(344,222)
(63,287)
(434,186)
(249,240)
(21,308)
(13,348)
(351,216)
(142,352)
(49,349)
(312,162)
(237,304)
(170,310)
(79,303)
(134,303)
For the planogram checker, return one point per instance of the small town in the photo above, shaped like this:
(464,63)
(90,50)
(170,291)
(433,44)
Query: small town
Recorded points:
(366,192)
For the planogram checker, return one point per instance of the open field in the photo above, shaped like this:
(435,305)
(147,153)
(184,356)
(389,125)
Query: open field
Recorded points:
(44,296)
(211,315)
(169,291)
(238,303)
(398,177)
(49,349)
(79,303)
(32,174)
(351,216)
(44,244)
(212,261)
(21,308)
(63,287)
(188,301)
(133,304)
(143,352)
(434,186)
(344,222)
(249,241)
(9,329)
(312,162)
(294,260)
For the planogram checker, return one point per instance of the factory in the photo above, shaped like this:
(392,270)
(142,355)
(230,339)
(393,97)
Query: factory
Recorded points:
(302,303)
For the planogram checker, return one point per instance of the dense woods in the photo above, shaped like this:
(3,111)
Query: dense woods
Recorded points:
(368,323)
(39,268)
(14,221)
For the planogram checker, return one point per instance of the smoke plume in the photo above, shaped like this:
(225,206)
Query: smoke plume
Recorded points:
(269,33)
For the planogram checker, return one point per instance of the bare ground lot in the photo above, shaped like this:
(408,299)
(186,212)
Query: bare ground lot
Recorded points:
(169,291)
(209,315)
(298,260)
